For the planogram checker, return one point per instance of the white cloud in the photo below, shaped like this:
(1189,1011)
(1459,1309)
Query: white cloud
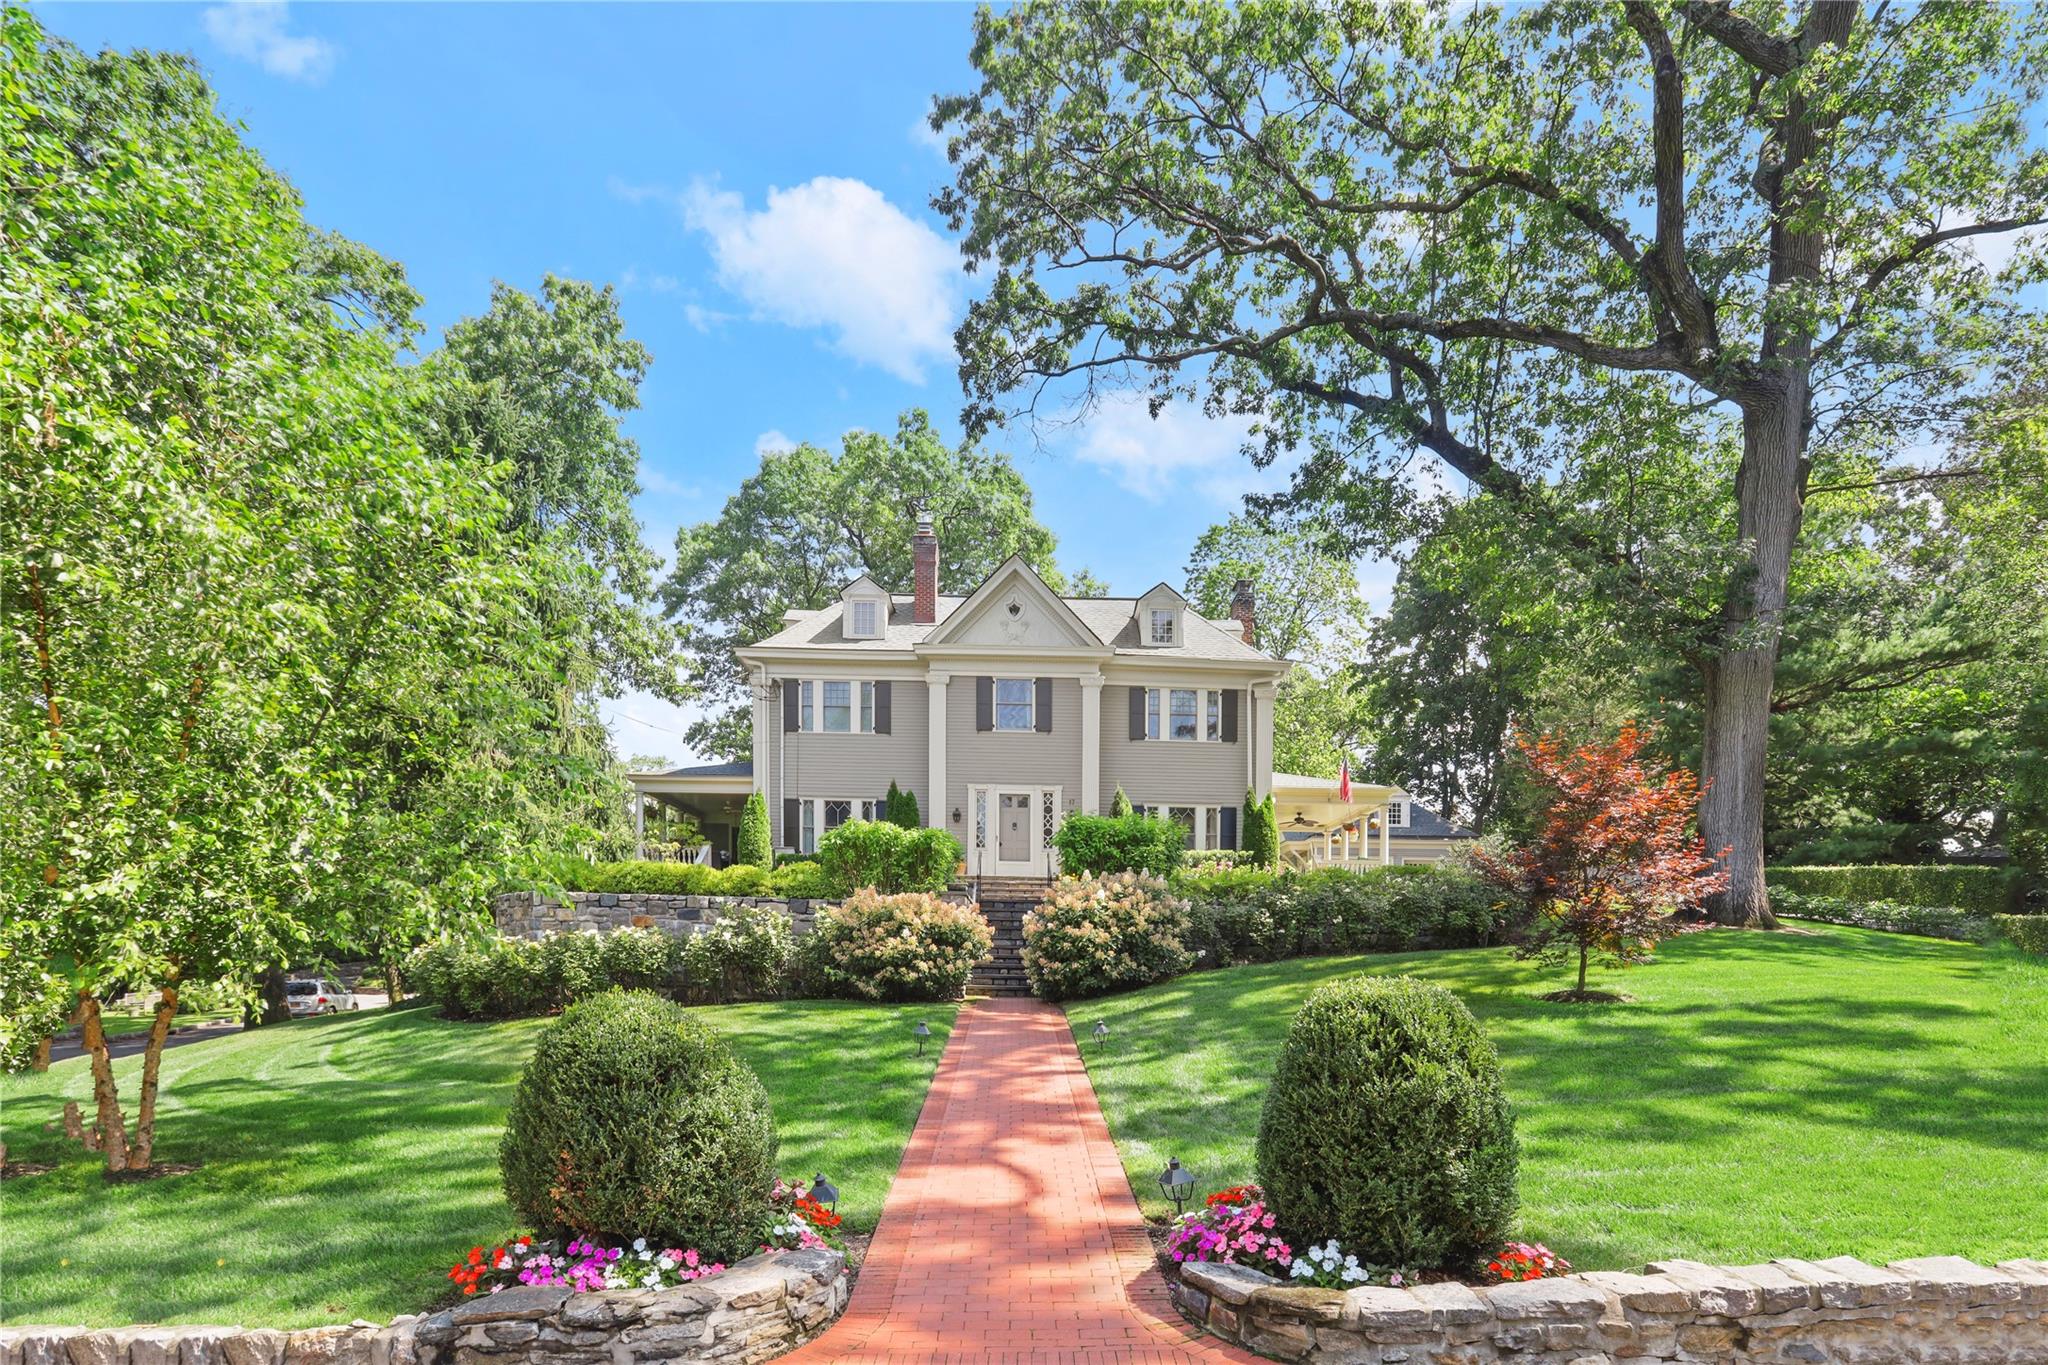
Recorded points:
(704,319)
(921,133)
(834,253)
(1181,451)
(772,442)
(654,481)
(256,31)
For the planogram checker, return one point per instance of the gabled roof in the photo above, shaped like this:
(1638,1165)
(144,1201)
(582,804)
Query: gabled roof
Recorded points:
(1112,621)
(1424,823)
(1014,571)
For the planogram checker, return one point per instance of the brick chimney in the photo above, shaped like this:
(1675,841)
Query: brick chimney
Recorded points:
(1244,611)
(924,555)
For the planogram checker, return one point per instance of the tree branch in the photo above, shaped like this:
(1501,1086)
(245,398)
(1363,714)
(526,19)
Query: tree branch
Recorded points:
(1765,51)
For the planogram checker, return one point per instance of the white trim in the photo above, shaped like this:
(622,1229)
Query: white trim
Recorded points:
(815,703)
(1163,713)
(1011,570)
(996,705)
(983,839)
(1205,813)
(811,817)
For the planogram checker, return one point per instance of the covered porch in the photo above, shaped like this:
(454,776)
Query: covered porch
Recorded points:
(708,797)
(1317,829)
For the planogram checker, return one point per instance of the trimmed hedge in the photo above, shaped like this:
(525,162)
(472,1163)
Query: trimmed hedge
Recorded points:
(1386,1127)
(1253,916)
(2028,933)
(634,1120)
(887,857)
(1979,890)
(1098,845)
(1093,935)
(1931,921)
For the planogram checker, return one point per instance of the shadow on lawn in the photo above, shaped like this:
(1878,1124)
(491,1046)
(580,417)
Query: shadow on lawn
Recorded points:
(1767,1026)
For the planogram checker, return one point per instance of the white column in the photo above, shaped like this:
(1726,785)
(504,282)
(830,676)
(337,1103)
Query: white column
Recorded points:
(1091,743)
(1347,843)
(759,679)
(639,823)
(1262,740)
(1386,836)
(940,799)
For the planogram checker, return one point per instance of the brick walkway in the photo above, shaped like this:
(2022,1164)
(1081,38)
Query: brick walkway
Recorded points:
(1010,1234)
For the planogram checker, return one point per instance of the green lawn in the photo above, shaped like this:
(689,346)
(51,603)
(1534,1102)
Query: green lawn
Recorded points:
(344,1161)
(1809,1094)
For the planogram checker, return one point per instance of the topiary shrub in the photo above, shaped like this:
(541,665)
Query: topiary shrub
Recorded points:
(912,946)
(1386,1127)
(1102,844)
(634,1120)
(1092,935)
(756,847)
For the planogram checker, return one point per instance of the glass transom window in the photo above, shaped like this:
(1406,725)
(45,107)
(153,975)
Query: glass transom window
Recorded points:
(1015,700)
(1162,625)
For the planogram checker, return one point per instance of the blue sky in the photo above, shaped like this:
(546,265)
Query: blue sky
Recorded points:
(754,178)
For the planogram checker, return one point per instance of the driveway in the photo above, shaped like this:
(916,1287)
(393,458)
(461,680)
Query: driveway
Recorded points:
(128,1044)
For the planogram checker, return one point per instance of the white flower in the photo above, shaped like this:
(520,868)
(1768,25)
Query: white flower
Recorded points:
(639,1244)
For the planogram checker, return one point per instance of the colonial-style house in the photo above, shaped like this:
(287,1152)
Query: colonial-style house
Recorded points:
(1004,712)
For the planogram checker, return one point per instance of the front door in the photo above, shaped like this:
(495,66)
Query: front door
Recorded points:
(1009,831)
(1013,828)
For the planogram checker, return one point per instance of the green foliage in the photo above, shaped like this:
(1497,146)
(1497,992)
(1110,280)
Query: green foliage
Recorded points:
(1386,1126)
(757,840)
(800,881)
(1934,921)
(744,954)
(810,521)
(1256,916)
(2028,933)
(1101,844)
(1092,935)
(900,808)
(1980,890)
(887,857)
(647,877)
(634,1120)
(911,946)
(1261,831)
(1120,805)
(506,978)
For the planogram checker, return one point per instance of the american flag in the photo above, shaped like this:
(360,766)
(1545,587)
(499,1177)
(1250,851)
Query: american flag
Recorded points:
(1344,780)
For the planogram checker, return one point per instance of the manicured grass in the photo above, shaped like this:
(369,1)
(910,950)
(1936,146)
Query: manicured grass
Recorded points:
(116,1024)
(343,1162)
(1830,1092)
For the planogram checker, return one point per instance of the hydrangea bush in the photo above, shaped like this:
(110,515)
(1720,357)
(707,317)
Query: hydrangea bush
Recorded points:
(912,946)
(1095,934)
(742,955)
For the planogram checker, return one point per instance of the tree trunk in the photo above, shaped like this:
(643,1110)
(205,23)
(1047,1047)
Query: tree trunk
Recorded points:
(110,1129)
(152,1057)
(271,1007)
(1739,680)
(42,1059)
(1582,967)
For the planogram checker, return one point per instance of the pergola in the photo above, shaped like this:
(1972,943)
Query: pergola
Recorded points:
(1340,832)
(711,794)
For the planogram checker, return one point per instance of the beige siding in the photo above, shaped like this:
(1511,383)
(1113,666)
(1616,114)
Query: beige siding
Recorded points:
(852,766)
(1425,850)
(1007,756)
(1170,772)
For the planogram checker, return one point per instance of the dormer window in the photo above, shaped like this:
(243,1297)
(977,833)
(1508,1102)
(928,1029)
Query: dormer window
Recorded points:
(1162,625)
(864,618)
(865,613)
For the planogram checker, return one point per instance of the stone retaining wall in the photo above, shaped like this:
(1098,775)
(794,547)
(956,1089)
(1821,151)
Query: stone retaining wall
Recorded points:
(762,1307)
(1936,1309)
(529,914)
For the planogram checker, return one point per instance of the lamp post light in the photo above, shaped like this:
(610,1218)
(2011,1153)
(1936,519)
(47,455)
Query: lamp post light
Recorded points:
(1177,1183)
(924,1034)
(1101,1034)
(825,1192)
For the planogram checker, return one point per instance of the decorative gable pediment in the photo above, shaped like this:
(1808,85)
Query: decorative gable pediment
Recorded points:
(1014,609)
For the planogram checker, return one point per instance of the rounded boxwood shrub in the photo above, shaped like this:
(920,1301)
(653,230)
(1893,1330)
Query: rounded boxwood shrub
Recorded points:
(1386,1127)
(634,1120)
(1091,935)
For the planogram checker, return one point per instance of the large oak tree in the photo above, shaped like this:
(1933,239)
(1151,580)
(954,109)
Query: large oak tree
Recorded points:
(1515,237)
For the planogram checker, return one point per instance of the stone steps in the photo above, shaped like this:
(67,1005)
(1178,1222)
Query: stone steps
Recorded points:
(1002,972)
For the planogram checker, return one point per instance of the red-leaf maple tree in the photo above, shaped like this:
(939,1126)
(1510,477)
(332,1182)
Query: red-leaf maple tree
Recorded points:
(1617,854)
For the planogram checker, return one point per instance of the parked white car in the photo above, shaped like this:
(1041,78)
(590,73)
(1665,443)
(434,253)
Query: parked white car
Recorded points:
(317,996)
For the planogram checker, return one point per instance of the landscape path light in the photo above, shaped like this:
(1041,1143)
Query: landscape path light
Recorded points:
(825,1192)
(1101,1033)
(1177,1183)
(924,1033)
